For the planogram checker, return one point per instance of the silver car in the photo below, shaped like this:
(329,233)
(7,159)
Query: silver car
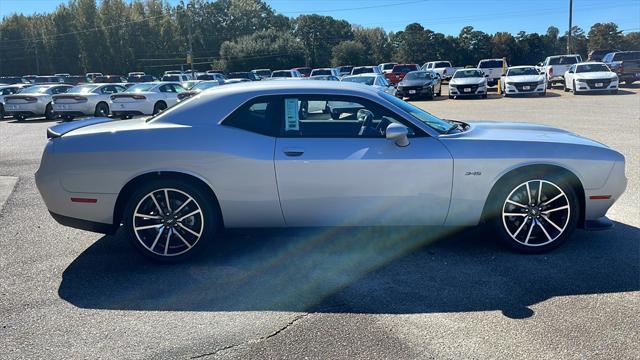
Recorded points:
(33,101)
(87,99)
(321,153)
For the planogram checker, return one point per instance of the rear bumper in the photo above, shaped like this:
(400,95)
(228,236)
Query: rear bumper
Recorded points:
(87,225)
(74,109)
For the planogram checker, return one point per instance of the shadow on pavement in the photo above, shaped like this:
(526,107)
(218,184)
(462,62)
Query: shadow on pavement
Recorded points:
(387,271)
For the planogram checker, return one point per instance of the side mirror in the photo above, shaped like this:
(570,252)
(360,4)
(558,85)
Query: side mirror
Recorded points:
(398,133)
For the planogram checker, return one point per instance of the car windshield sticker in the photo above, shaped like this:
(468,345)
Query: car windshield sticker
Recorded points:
(291,113)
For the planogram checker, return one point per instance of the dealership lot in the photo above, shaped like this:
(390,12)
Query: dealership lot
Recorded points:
(329,293)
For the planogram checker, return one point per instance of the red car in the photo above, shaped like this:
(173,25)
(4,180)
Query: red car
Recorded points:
(399,71)
(305,71)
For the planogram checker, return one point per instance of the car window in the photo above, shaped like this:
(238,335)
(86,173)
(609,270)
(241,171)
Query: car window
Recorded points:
(322,116)
(255,116)
(442,64)
(59,89)
(178,88)
(167,88)
(490,64)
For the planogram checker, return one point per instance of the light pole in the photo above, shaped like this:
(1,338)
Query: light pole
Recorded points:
(190,55)
(570,26)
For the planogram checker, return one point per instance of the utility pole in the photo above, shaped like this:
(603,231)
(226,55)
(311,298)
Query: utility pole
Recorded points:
(570,26)
(190,55)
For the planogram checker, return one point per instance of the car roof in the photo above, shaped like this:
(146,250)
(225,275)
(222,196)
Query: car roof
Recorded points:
(521,66)
(494,59)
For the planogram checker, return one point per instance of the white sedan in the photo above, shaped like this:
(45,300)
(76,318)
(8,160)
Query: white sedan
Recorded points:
(523,80)
(468,82)
(145,99)
(88,99)
(9,90)
(377,81)
(590,76)
(33,101)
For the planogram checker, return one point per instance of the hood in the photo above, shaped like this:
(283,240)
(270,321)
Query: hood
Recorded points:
(516,131)
(467,81)
(524,78)
(595,75)
(416,82)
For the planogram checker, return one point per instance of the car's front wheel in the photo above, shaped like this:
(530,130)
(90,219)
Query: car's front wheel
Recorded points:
(535,214)
(169,220)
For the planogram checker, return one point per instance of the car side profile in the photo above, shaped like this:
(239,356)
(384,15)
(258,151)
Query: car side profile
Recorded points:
(590,77)
(87,99)
(145,99)
(320,153)
(416,84)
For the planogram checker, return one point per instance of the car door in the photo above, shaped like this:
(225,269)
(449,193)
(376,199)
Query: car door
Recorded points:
(333,169)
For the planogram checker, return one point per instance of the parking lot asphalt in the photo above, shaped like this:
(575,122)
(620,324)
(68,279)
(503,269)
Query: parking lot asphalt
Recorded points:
(329,293)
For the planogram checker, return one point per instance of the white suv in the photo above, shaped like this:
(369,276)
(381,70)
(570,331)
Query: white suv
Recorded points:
(493,69)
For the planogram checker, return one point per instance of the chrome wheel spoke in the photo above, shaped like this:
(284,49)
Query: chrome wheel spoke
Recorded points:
(177,211)
(516,203)
(166,199)
(547,219)
(145,216)
(166,244)
(155,241)
(539,191)
(520,228)
(148,227)
(544,230)
(546,212)
(182,238)
(189,215)
(528,192)
(156,203)
(515,214)
(552,200)
(533,224)
(189,230)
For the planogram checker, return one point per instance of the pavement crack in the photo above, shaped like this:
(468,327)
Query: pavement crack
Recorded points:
(254,341)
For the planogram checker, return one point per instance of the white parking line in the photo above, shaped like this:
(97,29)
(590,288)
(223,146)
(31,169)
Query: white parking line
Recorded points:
(7,184)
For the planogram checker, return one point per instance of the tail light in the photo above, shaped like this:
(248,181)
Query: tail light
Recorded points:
(139,97)
(30,99)
(80,98)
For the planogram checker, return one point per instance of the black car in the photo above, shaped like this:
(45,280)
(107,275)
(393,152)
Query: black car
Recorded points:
(243,75)
(419,84)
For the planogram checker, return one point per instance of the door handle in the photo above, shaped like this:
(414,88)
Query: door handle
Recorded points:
(293,152)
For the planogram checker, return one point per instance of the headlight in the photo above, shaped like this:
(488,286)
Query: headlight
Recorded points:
(580,80)
(541,81)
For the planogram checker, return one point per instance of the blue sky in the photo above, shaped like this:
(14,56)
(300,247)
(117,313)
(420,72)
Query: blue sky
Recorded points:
(446,16)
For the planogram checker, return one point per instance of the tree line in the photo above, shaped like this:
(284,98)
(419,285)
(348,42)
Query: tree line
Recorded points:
(117,36)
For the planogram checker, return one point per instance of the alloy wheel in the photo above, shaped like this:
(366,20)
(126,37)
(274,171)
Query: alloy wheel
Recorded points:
(536,213)
(168,222)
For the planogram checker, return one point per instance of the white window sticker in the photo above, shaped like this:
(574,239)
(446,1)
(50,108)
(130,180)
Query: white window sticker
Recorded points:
(291,113)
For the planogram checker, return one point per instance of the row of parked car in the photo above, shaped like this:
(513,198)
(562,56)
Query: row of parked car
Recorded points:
(103,95)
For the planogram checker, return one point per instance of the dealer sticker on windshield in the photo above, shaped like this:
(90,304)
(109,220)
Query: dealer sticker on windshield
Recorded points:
(291,113)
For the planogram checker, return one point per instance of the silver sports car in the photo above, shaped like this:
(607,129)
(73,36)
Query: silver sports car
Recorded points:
(321,153)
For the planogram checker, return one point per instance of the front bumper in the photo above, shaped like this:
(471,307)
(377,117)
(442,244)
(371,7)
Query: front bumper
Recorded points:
(414,92)
(461,90)
(594,86)
(515,89)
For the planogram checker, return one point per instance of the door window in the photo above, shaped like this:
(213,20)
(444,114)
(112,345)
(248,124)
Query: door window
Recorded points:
(336,117)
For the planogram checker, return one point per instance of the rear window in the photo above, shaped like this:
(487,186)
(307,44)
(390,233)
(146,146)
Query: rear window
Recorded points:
(563,60)
(635,55)
(140,87)
(321,72)
(442,64)
(404,68)
(343,69)
(362,70)
(171,78)
(490,64)
(367,80)
(388,66)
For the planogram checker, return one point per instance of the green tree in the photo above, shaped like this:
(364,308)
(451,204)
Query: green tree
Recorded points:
(412,47)
(605,36)
(265,49)
(350,52)
(318,35)
(376,43)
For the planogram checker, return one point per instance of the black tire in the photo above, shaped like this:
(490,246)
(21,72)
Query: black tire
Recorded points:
(207,224)
(67,117)
(19,117)
(102,110)
(514,185)
(484,96)
(160,106)
(614,92)
(564,87)
(450,96)
(549,85)
(440,91)
(48,112)
(1,112)
(575,91)
(544,93)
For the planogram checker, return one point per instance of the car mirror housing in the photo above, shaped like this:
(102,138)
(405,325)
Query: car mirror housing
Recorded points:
(398,133)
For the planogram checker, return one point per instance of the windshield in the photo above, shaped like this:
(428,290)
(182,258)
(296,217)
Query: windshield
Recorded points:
(204,85)
(239,75)
(522,71)
(321,72)
(140,88)
(345,69)
(367,80)
(404,68)
(35,90)
(592,68)
(83,89)
(171,78)
(563,60)
(281,74)
(490,64)
(433,122)
(635,55)
(460,74)
(442,64)
(418,75)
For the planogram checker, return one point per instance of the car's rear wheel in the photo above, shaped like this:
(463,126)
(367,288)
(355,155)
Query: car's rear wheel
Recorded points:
(102,110)
(159,107)
(169,220)
(534,214)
